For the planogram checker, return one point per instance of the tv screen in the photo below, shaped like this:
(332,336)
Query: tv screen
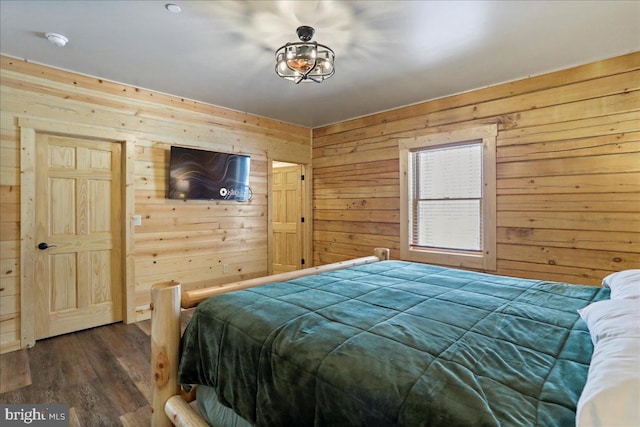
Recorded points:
(208,175)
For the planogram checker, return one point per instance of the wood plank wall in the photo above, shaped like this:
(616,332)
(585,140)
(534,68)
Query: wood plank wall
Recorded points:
(568,189)
(184,241)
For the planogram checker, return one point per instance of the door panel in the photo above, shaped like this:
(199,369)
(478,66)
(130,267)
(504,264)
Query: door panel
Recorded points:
(78,204)
(287,214)
(62,211)
(62,282)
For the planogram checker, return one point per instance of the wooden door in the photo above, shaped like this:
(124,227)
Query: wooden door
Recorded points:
(287,218)
(78,276)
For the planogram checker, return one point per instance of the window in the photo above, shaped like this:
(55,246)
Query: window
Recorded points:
(448,200)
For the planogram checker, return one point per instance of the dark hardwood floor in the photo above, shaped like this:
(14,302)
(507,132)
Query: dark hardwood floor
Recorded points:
(103,374)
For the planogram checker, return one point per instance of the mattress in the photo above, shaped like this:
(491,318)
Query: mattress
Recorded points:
(214,412)
(395,343)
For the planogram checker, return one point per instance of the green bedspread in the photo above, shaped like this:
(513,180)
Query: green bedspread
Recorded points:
(395,344)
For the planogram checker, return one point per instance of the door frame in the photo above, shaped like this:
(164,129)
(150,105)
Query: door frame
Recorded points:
(29,128)
(307,212)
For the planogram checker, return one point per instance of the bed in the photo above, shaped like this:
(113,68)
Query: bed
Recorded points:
(375,342)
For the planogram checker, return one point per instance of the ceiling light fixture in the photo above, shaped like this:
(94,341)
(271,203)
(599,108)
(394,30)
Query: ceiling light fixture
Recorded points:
(305,61)
(57,39)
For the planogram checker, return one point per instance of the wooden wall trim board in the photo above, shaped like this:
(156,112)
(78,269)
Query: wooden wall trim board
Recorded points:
(129,204)
(27,237)
(568,186)
(568,172)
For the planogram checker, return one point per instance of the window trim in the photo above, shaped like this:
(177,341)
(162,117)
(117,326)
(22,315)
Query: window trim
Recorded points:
(484,260)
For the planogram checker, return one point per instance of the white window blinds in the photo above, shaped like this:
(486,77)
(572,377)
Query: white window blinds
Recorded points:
(446,200)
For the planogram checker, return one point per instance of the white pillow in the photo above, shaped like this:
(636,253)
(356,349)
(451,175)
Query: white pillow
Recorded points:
(623,284)
(612,318)
(611,396)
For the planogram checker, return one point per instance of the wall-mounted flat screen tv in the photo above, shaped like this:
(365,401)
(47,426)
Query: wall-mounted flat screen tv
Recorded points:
(208,175)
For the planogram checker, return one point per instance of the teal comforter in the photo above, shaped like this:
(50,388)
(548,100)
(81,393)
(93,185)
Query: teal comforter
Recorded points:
(395,344)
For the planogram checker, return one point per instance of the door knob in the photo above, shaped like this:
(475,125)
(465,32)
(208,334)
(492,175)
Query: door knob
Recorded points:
(44,245)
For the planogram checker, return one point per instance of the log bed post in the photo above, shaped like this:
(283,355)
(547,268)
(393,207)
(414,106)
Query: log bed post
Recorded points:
(165,343)
(381,253)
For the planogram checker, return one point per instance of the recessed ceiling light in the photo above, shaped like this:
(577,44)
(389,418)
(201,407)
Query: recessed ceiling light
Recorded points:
(57,39)
(174,8)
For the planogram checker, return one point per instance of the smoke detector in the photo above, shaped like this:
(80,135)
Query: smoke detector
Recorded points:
(57,39)
(173,8)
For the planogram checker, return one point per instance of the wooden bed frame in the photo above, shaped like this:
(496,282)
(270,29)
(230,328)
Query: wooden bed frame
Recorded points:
(169,407)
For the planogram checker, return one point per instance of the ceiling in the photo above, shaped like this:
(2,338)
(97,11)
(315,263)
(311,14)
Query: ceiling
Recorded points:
(388,53)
